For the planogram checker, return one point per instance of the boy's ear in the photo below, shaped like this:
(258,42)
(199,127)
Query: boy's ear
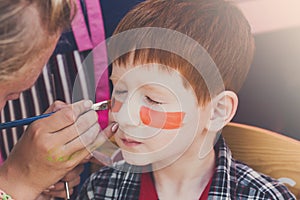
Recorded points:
(223,108)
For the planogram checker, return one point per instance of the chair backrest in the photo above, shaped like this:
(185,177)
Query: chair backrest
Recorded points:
(267,152)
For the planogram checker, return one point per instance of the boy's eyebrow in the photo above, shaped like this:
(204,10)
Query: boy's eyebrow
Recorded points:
(161,90)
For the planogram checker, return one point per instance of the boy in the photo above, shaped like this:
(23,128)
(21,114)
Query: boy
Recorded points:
(174,90)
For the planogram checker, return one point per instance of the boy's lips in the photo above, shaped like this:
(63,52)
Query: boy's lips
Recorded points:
(130,142)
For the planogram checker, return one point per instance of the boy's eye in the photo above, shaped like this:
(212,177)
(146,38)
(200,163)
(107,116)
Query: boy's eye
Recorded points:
(151,101)
(120,95)
(120,92)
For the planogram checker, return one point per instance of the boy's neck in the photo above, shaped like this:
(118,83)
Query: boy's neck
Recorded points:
(186,177)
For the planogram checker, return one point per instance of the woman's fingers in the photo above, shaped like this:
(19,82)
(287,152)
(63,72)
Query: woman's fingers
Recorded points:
(56,105)
(64,117)
(58,193)
(86,126)
(90,140)
(73,179)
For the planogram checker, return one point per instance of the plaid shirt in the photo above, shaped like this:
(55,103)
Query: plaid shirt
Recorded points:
(232,180)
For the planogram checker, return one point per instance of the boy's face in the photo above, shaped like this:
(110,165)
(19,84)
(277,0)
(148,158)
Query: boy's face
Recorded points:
(158,117)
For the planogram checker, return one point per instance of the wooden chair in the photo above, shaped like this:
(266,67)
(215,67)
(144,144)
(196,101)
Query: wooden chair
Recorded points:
(265,151)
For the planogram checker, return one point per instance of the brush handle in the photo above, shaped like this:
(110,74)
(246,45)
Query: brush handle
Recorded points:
(103,105)
(22,122)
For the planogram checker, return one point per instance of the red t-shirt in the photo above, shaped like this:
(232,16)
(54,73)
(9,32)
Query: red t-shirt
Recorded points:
(148,191)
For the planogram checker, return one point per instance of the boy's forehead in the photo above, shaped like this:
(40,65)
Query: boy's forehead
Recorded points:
(153,74)
(119,71)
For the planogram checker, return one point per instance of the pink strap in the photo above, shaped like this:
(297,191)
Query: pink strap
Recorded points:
(80,31)
(95,21)
(1,159)
(101,81)
(85,42)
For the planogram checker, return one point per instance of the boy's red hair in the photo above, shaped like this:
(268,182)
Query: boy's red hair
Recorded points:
(218,26)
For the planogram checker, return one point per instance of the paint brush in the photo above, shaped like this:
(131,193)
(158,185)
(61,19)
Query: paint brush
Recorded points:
(103,105)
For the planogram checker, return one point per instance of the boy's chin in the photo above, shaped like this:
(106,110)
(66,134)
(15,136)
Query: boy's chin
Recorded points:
(145,160)
(136,159)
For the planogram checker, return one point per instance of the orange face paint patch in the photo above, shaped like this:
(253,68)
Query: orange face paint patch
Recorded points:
(163,120)
(116,105)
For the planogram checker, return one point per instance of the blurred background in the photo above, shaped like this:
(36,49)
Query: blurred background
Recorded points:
(270,97)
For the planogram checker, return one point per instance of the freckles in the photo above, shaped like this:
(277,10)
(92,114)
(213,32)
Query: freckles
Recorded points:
(163,120)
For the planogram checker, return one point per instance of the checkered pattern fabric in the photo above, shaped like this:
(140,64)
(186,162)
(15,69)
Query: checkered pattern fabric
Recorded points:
(232,180)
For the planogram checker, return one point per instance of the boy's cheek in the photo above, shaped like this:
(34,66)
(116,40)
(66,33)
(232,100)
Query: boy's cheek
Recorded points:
(110,117)
(116,105)
(153,118)
(162,120)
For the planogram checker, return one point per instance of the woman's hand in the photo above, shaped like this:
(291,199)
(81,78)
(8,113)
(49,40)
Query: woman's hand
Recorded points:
(50,148)
(73,179)
(58,189)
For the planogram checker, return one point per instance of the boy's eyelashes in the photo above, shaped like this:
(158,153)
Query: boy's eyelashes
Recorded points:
(147,99)
(120,92)
(151,101)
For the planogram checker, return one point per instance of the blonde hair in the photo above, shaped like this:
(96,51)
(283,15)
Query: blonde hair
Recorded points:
(26,25)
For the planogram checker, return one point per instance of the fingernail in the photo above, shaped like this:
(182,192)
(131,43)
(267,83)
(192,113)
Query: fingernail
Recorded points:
(51,187)
(88,103)
(115,127)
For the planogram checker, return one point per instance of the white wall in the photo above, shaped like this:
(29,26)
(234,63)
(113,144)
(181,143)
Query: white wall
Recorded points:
(270,15)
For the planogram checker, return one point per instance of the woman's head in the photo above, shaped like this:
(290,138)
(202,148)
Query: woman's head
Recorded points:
(29,30)
(27,27)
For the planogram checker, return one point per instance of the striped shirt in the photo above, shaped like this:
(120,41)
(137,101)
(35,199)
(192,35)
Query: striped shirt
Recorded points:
(55,83)
(232,180)
(57,79)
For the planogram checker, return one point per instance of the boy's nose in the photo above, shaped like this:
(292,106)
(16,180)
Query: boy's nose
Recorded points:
(128,113)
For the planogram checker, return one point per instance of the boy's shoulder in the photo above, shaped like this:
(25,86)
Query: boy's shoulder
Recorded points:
(234,179)
(115,174)
(111,182)
(257,185)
